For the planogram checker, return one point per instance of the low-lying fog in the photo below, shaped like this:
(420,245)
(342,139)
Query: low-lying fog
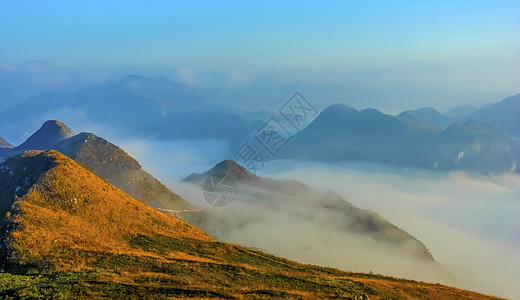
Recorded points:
(469,222)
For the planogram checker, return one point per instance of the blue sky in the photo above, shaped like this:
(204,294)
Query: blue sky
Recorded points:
(469,46)
(267,33)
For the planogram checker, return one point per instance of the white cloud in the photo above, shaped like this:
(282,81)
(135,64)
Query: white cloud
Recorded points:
(469,222)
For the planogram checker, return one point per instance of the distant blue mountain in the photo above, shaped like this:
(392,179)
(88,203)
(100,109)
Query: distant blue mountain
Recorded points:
(433,116)
(415,123)
(134,105)
(461,111)
(503,116)
(343,133)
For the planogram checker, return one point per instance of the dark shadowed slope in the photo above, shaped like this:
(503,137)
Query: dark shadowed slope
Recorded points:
(66,233)
(116,166)
(47,136)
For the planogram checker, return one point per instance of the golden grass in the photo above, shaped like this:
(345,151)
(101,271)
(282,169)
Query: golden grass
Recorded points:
(70,207)
(419,290)
(72,220)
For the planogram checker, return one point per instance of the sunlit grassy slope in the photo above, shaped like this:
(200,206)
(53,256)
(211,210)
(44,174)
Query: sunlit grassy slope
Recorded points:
(104,159)
(120,169)
(69,234)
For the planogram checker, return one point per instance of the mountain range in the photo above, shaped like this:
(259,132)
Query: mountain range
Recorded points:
(67,233)
(276,192)
(136,106)
(282,217)
(461,111)
(105,159)
(161,108)
(270,213)
(433,116)
(502,115)
(343,133)
(324,210)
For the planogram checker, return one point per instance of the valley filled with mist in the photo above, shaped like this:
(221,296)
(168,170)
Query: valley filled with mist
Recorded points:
(266,150)
(468,221)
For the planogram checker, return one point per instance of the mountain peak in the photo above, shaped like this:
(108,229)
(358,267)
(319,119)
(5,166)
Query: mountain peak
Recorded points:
(424,112)
(428,110)
(5,144)
(226,166)
(233,168)
(433,116)
(339,108)
(132,77)
(65,205)
(62,219)
(372,112)
(48,135)
(124,172)
(55,124)
(416,124)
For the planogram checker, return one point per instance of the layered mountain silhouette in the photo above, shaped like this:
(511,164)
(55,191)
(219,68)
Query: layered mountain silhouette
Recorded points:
(105,159)
(260,200)
(67,233)
(461,111)
(51,133)
(502,116)
(263,190)
(161,108)
(433,116)
(417,124)
(136,106)
(343,133)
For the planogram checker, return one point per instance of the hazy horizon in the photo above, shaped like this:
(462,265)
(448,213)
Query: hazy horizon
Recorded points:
(362,53)
(475,213)
(454,187)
